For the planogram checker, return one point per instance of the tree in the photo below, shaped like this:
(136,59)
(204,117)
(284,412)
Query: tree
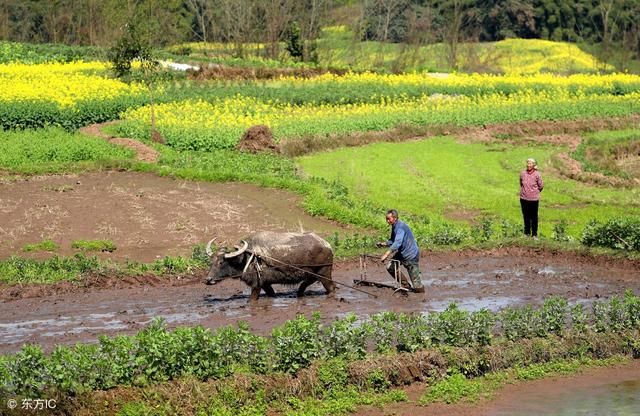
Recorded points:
(131,47)
(386,20)
(202,18)
(276,19)
(457,15)
(500,19)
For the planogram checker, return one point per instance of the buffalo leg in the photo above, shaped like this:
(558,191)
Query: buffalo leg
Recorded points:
(329,285)
(305,283)
(255,293)
(269,290)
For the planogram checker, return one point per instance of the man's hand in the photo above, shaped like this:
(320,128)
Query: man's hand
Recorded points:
(381,244)
(385,256)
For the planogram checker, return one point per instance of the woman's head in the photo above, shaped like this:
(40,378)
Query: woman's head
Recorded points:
(531,164)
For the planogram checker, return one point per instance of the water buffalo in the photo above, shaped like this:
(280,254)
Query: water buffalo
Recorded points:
(266,258)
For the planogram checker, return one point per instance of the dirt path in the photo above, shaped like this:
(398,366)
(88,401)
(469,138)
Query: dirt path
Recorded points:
(69,313)
(143,152)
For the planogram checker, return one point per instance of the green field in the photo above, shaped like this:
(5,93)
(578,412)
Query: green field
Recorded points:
(442,179)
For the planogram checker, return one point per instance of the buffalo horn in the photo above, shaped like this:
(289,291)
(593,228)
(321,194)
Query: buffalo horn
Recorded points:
(208,249)
(239,250)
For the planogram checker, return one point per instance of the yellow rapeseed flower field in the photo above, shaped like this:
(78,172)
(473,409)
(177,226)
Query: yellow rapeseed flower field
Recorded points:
(62,83)
(243,112)
(470,81)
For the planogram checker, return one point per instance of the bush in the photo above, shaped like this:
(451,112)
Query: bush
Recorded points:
(560,231)
(616,233)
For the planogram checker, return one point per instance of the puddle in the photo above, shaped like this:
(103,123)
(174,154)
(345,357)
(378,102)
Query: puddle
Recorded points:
(619,398)
(547,270)
(493,304)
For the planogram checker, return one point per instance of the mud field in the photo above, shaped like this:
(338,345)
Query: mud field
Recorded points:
(145,216)
(148,217)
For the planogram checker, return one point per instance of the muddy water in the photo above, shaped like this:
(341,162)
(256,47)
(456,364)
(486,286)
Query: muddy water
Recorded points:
(603,391)
(474,280)
(619,398)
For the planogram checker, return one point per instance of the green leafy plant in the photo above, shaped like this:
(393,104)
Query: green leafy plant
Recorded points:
(297,343)
(619,233)
(560,231)
(483,231)
(44,245)
(94,245)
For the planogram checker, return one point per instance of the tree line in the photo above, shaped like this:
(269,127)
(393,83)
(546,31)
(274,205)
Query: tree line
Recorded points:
(608,23)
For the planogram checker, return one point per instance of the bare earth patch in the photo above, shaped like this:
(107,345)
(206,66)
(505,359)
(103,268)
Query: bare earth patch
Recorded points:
(144,215)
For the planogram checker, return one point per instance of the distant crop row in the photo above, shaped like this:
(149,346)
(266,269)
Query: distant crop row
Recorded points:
(201,125)
(80,93)
(66,95)
(31,53)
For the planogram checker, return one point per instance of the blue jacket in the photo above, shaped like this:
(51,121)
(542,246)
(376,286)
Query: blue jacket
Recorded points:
(403,242)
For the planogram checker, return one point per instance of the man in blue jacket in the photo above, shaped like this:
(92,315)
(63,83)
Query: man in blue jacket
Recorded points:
(404,248)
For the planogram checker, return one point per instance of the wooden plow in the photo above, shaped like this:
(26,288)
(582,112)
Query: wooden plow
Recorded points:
(399,282)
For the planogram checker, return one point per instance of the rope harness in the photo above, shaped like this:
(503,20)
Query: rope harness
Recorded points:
(255,258)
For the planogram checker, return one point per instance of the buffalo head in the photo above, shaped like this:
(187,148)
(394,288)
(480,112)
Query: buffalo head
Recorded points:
(225,263)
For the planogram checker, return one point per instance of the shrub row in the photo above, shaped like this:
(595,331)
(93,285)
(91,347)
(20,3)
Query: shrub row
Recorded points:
(156,354)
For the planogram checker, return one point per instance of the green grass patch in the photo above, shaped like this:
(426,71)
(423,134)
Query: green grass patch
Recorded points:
(228,166)
(44,245)
(455,388)
(20,270)
(53,150)
(94,245)
(340,403)
(439,180)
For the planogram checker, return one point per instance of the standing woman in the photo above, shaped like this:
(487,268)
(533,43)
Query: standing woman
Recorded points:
(530,188)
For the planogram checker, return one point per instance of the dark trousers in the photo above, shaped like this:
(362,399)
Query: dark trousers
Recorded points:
(412,266)
(530,216)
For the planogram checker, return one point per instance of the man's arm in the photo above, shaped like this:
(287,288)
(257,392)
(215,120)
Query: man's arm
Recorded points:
(395,246)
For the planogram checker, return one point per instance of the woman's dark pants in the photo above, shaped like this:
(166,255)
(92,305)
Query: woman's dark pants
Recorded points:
(530,216)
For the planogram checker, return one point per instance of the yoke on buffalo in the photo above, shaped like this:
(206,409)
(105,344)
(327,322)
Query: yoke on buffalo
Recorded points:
(267,258)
